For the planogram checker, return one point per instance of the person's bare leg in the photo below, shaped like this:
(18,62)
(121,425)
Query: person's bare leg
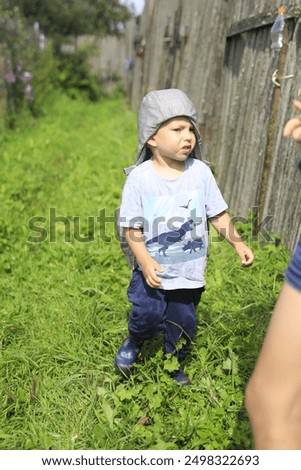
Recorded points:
(273,395)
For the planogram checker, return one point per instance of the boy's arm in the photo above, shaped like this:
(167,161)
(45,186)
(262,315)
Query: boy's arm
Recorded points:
(149,266)
(225,227)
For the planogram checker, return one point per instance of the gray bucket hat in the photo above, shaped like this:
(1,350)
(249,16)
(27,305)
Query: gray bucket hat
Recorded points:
(158,107)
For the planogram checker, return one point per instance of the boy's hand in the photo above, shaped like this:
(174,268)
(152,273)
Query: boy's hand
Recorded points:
(149,270)
(149,266)
(245,253)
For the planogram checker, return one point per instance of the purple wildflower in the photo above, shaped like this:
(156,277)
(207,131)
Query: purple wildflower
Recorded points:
(10,78)
(26,77)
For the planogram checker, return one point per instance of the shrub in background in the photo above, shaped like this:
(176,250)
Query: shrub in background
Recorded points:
(75,76)
(44,81)
(30,70)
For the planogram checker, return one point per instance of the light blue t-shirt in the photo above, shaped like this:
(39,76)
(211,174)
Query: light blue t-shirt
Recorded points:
(173,216)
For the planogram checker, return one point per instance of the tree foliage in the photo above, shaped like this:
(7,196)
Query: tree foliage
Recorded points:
(26,65)
(74,17)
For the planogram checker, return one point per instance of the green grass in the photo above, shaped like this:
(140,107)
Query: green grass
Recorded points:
(64,308)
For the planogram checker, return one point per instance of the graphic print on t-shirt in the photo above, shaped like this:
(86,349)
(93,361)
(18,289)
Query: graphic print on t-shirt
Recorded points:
(175,228)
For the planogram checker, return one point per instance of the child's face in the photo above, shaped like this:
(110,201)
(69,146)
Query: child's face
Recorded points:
(175,139)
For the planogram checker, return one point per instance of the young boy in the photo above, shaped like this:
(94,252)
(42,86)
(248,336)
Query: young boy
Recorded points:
(166,202)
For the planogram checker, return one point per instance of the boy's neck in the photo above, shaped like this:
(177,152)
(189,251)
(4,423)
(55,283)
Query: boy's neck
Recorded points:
(168,169)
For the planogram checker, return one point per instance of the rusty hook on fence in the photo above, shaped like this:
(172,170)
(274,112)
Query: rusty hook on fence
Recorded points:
(275,78)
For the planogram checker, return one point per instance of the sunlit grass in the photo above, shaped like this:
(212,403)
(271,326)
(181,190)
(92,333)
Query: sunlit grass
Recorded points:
(64,306)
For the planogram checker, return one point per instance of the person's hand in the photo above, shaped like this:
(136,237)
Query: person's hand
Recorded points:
(293,126)
(149,269)
(245,253)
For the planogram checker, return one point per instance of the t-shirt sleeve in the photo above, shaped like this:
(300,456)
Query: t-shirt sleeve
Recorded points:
(131,210)
(214,201)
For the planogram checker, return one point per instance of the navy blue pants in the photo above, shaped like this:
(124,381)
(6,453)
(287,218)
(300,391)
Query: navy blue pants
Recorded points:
(156,310)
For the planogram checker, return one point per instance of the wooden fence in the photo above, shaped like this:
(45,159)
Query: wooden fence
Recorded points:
(111,60)
(219,53)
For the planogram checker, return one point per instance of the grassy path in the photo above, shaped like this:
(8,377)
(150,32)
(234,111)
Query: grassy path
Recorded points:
(63,303)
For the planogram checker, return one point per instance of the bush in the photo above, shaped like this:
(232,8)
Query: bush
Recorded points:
(45,80)
(30,70)
(75,75)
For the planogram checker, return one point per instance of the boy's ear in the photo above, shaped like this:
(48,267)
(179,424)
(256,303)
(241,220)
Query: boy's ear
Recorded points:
(152,141)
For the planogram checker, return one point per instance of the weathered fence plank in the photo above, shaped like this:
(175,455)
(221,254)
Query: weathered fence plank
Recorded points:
(220,55)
